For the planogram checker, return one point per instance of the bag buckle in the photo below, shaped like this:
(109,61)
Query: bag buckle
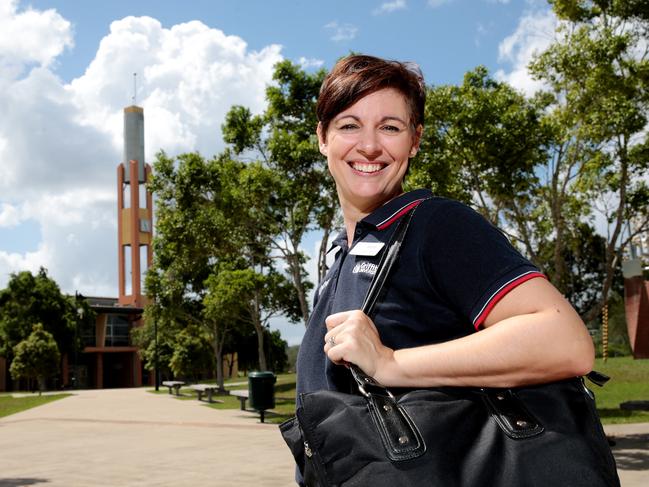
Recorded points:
(382,389)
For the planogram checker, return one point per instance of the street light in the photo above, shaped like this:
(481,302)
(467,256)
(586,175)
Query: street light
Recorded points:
(80,313)
(155,356)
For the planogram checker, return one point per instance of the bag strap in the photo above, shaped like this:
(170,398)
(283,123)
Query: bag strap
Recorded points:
(386,264)
(401,438)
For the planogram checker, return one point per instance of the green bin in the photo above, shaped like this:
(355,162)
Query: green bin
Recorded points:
(261,387)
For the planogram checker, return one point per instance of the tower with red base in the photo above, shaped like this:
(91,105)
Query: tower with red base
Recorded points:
(134,220)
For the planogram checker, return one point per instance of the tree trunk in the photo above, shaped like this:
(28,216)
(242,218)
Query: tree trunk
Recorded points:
(322,254)
(293,260)
(217,346)
(556,210)
(219,368)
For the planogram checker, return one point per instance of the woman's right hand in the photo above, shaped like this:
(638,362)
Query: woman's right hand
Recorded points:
(353,338)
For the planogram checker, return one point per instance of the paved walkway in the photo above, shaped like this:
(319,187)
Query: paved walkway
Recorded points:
(129,437)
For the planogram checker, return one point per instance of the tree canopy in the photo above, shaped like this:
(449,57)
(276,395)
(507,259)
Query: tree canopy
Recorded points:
(36,357)
(29,299)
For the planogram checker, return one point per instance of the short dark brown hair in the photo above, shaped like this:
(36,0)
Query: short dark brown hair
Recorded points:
(356,76)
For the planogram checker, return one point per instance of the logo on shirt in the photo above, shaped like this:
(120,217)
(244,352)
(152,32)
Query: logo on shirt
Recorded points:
(323,286)
(365,268)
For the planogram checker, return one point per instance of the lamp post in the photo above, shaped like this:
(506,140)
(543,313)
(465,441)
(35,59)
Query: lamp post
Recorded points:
(155,356)
(80,312)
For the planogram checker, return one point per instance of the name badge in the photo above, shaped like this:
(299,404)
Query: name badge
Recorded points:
(368,249)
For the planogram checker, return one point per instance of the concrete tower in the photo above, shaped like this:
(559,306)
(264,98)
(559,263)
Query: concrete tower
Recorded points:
(134,212)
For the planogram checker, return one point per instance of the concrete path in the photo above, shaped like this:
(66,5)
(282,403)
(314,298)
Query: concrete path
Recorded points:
(631,452)
(129,437)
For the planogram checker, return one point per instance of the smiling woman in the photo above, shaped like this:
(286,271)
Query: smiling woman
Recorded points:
(462,307)
(367,148)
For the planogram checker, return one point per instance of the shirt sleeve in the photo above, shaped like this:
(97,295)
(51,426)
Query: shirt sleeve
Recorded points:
(470,262)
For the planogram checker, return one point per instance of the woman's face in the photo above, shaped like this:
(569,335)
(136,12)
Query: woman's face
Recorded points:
(367,148)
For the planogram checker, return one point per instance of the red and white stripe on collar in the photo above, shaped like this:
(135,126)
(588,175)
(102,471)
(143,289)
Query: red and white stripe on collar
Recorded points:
(397,214)
(501,292)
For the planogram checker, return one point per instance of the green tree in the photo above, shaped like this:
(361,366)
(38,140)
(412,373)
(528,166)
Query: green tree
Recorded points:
(29,299)
(213,218)
(597,74)
(257,296)
(283,140)
(188,239)
(192,354)
(36,357)
(482,143)
(144,337)
(539,168)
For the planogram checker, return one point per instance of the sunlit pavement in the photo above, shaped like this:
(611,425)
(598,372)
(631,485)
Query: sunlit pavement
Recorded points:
(130,437)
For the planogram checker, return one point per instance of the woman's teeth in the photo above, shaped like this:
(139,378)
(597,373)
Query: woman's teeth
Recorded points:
(364,167)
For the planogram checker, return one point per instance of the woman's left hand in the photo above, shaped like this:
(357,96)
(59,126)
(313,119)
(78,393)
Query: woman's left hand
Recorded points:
(353,338)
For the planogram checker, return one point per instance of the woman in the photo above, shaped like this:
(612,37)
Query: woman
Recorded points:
(462,308)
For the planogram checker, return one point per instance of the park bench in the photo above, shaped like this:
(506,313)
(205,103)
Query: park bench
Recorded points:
(635,405)
(242,395)
(202,389)
(173,384)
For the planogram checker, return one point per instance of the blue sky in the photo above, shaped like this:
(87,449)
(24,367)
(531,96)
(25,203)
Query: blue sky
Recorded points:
(66,73)
(446,37)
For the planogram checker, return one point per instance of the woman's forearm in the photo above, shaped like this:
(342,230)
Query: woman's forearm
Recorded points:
(524,349)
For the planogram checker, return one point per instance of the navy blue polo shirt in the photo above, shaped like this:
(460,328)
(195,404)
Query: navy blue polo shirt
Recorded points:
(453,268)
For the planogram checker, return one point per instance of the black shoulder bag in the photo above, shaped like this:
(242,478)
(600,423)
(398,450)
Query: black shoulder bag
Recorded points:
(545,435)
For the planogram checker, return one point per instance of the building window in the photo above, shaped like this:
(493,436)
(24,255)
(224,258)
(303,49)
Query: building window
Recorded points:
(117,328)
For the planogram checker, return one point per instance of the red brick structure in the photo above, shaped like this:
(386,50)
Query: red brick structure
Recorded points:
(636,304)
(109,359)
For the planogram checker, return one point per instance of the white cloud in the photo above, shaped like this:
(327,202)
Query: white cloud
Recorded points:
(341,32)
(438,3)
(10,216)
(306,63)
(188,78)
(389,7)
(534,33)
(30,36)
(60,142)
(13,262)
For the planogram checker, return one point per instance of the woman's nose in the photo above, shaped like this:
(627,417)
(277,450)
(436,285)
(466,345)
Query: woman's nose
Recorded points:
(368,143)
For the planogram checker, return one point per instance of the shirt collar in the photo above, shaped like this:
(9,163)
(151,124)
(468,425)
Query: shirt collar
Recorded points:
(386,215)
(339,241)
(390,212)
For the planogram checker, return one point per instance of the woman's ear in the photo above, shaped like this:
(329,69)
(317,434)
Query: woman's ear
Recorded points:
(416,140)
(322,140)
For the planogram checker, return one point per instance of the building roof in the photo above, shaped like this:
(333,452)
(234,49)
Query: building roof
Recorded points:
(111,305)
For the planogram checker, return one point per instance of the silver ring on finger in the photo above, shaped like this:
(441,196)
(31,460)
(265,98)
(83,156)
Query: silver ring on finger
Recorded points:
(332,341)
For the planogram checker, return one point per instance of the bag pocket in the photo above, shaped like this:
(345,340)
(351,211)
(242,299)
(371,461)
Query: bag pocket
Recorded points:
(290,430)
(308,460)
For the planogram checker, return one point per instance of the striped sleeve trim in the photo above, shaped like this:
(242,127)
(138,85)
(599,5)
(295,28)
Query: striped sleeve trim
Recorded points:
(395,216)
(501,292)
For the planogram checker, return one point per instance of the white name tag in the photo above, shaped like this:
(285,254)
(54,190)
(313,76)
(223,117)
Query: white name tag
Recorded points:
(369,249)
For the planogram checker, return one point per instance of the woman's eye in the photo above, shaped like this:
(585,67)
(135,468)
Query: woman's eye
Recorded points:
(348,126)
(391,128)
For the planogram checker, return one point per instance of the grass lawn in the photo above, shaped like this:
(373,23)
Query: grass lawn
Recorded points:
(11,405)
(284,397)
(629,381)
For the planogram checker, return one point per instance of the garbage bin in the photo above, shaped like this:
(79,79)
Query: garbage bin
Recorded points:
(261,387)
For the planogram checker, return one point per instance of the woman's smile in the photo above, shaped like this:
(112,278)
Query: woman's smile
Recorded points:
(367,167)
